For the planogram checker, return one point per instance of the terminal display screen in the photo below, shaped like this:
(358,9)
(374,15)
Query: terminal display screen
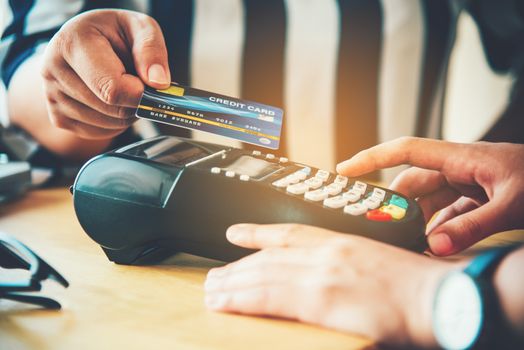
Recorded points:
(169,151)
(254,167)
(174,152)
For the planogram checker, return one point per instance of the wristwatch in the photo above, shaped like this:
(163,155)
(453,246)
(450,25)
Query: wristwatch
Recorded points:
(466,312)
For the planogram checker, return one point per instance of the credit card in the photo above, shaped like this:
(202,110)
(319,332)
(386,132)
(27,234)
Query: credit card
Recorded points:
(190,108)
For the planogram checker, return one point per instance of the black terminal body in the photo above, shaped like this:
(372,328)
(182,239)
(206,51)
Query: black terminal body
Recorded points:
(149,200)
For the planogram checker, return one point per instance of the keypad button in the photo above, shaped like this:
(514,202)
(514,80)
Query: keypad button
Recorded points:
(360,186)
(372,202)
(314,182)
(323,175)
(281,183)
(302,175)
(293,178)
(398,201)
(230,173)
(244,177)
(396,213)
(283,160)
(341,180)
(335,202)
(299,188)
(306,170)
(270,156)
(352,195)
(215,170)
(333,189)
(355,209)
(377,215)
(379,193)
(257,153)
(316,195)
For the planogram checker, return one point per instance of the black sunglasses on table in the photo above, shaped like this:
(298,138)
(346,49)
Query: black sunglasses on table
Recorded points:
(16,255)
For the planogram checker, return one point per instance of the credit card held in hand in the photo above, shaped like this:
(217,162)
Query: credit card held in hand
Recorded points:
(189,108)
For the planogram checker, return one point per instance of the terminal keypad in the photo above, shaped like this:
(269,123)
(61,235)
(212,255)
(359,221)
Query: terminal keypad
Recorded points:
(335,192)
(340,193)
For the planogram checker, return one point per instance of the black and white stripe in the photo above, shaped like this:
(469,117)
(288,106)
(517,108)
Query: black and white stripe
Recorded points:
(439,35)
(348,73)
(217,51)
(312,41)
(357,82)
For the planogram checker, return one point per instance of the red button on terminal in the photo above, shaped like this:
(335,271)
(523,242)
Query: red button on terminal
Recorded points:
(378,215)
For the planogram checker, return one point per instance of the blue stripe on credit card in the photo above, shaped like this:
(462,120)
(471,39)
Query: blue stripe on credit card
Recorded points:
(189,108)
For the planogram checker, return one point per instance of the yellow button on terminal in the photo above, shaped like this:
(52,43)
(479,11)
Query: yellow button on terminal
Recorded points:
(396,212)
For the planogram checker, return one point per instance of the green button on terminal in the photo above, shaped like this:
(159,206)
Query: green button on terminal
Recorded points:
(398,201)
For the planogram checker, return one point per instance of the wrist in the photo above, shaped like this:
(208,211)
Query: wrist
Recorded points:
(419,317)
(509,291)
(466,308)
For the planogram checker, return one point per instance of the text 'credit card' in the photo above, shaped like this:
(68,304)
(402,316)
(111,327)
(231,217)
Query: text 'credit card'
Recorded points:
(189,108)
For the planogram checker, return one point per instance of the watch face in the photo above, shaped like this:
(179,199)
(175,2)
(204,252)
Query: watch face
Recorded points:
(457,311)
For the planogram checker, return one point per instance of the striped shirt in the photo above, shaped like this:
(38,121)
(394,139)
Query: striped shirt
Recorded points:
(348,73)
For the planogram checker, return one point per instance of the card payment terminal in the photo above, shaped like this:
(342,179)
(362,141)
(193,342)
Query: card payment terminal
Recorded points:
(156,197)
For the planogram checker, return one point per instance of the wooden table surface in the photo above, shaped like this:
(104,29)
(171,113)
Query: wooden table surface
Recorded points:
(109,306)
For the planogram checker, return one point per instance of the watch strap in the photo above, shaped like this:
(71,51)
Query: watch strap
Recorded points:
(495,332)
(485,264)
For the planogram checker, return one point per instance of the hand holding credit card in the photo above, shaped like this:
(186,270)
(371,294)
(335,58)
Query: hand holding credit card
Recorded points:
(189,108)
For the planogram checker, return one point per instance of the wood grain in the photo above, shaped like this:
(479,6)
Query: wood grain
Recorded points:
(109,306)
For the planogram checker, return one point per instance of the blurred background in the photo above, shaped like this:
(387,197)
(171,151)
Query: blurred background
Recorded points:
(475,94)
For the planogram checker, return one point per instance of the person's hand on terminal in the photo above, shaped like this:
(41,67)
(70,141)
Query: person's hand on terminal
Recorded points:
(89,71)
(335,280)
(347,283)
(478,188)
(354,284)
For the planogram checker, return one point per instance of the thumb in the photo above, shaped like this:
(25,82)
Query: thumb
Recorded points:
(464,230)
(148,49)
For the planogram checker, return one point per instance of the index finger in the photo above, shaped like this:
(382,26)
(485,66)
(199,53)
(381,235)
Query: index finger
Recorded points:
(100,68)
(419,152)
(277,235)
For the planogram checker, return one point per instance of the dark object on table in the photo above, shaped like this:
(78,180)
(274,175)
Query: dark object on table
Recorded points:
(15,178)
(16,255)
